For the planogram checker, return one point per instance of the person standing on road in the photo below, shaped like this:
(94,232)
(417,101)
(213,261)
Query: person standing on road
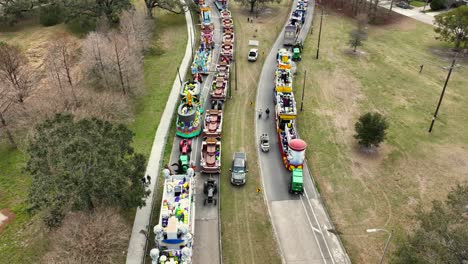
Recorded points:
(267,112)
(260,113)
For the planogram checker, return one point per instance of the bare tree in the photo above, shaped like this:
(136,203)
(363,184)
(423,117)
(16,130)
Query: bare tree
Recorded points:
(94,59)
(5,104)
(359,34)
(137,29)
(98,237)
(15,73)
(60,60)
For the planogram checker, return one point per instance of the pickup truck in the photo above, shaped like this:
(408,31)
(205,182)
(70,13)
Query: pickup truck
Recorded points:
(239,168)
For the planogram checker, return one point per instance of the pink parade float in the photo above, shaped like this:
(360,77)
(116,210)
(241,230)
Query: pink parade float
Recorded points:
(227,23)
(227,49)
(213,123)
(225,14)
(223,66)
(211,156)
(219,87)
(207,36)
(228,37)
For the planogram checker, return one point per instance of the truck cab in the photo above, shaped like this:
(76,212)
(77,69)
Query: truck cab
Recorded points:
(296,184)
(239,168)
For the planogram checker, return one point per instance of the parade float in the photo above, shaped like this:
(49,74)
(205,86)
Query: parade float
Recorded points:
(283,80)
(192,87)
(292,148)
(202,61)
(205,15)
(225,14)
(175,229)
(211,156)
(189,113)
(213,123)
(286,106)
(284,59)
(219,87)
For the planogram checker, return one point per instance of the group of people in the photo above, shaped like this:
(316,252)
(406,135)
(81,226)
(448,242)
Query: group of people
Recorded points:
(267,112)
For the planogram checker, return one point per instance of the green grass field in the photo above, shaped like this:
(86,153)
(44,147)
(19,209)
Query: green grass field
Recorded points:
(381,190)
(418,3)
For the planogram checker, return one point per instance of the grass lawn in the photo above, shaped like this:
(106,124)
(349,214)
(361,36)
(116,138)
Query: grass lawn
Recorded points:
(170,39)
(418,3)
(382,189)
(247,234)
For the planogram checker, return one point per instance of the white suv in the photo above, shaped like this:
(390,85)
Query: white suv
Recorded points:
(253,54)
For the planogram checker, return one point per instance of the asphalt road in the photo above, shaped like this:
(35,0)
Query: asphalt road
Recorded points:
(299,221)
(206,247)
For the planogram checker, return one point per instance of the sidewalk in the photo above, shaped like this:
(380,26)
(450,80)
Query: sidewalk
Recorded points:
(415,13)
(137,244)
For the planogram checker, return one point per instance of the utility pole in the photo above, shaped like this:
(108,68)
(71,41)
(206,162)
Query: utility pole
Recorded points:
(320,34)
(442,95)
(235,73)
(303,88)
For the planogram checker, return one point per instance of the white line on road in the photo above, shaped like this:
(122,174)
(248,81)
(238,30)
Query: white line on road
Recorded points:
(313,228)
(316,220)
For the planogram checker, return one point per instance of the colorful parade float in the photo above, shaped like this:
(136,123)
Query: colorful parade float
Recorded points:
(189,112)
(213,123)
(292,148)
(283,74)
(203,57)
(211,156)
(174,232)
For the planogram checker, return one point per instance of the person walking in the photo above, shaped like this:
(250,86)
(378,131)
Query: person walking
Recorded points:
(148,178)
(260,113)
(267,112)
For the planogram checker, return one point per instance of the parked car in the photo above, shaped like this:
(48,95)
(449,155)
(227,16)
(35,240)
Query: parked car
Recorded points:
(404,5)
(253,54)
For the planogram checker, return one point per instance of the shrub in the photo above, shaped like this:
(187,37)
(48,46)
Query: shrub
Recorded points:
(50,15)
(81,25)
(438,4)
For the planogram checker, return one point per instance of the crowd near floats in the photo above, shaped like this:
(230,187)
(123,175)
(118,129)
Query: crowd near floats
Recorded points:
(292,148)
(174,234)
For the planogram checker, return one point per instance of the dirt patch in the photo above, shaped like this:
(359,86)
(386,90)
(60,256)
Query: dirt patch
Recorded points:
(6,216)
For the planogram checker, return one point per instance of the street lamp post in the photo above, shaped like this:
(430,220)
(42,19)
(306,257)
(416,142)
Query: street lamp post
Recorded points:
(373,230)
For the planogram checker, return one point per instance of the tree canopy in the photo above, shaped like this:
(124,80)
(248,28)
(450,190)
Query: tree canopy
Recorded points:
(453,26)
(13,10)
(111,9)
(442,236)
(81,165)
(252,3)
(370,129)
(174,6)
